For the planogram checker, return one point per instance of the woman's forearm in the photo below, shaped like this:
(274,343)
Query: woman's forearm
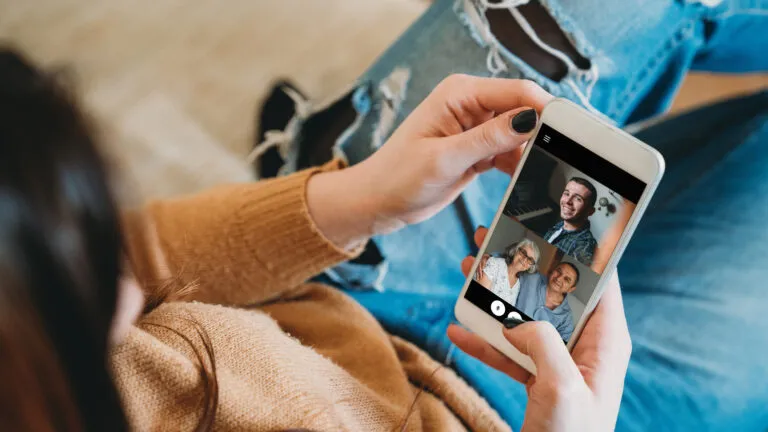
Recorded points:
(346,208)
(237,244)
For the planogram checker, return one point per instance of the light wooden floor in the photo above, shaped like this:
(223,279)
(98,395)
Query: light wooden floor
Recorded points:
(174,84)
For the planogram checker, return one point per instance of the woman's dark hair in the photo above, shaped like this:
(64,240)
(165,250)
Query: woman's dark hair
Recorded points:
(60,260)
(60,264)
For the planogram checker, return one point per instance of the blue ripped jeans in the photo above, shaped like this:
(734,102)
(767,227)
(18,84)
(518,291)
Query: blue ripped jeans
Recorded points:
(694,277)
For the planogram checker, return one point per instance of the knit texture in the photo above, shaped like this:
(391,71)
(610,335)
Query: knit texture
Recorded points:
(230,265)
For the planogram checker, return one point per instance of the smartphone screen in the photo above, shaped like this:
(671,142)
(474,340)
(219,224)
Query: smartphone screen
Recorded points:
(558,229)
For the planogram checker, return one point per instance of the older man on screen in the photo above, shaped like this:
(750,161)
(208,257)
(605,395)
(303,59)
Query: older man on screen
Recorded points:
(572,234)
(544,298)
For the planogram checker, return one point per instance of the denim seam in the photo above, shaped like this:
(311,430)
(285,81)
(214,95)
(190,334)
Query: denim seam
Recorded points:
(684,33)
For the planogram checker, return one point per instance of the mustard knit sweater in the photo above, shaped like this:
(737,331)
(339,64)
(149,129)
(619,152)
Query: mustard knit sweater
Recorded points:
(288,354)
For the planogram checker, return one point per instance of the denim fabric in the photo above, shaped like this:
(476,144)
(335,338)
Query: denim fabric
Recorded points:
(693,274)
(737,39)
(639,50)
(694,284)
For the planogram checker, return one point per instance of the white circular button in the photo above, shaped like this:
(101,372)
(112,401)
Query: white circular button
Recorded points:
(516,315)
(497,308)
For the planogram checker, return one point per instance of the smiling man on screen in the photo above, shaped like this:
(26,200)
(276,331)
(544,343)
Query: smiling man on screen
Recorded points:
(572,234)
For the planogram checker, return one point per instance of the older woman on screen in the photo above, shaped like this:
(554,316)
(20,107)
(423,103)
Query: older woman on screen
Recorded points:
(500,275)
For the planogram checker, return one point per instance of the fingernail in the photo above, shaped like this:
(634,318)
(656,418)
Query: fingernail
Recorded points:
(511,322)
(524,121)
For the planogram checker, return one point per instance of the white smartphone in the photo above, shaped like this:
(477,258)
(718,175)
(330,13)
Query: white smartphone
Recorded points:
(577,195)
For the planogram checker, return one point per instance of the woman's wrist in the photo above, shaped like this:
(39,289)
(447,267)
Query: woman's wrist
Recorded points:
(344,206)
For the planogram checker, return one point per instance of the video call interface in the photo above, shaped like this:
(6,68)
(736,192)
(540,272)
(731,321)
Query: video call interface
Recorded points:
(557,231)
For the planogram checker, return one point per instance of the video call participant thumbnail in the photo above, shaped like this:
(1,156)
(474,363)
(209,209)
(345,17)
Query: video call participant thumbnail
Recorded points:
(501,275)
(544,298)
(572,234)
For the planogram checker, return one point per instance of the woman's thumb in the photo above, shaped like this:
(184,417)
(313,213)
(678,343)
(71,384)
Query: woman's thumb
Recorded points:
(542,343)
(501,134)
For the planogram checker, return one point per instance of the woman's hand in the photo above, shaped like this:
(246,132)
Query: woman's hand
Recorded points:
(467,125)
(580,391)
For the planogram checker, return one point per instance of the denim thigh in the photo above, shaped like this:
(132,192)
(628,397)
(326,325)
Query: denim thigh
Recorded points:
(638,52)
(695,276)
(697,358)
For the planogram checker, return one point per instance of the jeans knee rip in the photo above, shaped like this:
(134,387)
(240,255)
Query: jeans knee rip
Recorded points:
(362,101)
(386,101)
(579,75)
(330,116)
(393,90)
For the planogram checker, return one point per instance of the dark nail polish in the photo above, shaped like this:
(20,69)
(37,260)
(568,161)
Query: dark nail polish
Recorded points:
(524,121)
(512,322)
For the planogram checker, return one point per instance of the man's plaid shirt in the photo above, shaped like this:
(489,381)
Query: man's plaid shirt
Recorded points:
(579,244)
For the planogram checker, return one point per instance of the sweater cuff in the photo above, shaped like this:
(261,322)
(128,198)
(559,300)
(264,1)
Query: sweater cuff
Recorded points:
(276,225)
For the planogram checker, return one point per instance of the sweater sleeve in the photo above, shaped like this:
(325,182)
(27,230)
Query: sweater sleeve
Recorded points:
(237,244)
